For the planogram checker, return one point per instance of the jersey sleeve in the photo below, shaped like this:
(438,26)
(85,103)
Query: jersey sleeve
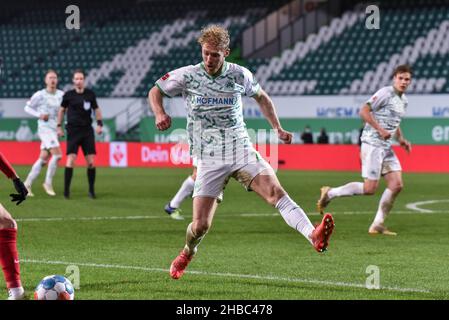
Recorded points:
(379,99)
(94,104)
(65,101)
(34,104)
(251,85)
(6,168)
(172,83)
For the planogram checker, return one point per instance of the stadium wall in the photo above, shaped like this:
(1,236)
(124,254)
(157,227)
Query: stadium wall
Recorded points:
(434,106)
(340,131)
(424,158)
(25,129)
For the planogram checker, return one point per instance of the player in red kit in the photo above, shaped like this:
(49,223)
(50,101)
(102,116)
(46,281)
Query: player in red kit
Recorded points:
(9,258)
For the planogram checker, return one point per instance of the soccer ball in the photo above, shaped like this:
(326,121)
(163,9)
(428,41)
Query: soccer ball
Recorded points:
(54,287)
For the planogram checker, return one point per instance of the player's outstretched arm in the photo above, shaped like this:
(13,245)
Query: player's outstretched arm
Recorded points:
(9,171)
(267,107)
(162,119)
(365,114)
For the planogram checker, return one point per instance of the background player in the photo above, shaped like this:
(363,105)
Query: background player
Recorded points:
(382,114)
(44,104)
(9,257)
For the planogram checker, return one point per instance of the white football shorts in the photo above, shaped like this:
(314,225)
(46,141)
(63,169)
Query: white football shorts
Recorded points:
(212,178)
(377,162)
(49,140)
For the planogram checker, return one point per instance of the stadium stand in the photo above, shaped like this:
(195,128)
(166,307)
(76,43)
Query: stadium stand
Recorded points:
(126,45)
(124,48)
(340,60)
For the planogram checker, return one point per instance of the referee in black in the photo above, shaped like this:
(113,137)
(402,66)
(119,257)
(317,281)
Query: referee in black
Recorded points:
(80,103)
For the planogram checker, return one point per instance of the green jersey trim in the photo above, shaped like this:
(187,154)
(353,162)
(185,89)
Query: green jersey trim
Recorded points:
(162,91)
(257,94)
(224,68)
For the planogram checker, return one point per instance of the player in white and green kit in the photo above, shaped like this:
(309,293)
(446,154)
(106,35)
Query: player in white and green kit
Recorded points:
(220,143)
(382,114)
(44,104)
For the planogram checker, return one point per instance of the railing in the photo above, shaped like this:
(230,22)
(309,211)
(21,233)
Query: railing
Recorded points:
(289,24)
(131,115)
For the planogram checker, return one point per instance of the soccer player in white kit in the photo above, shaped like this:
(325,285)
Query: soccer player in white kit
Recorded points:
(219,140)
(44,104)
(382,114)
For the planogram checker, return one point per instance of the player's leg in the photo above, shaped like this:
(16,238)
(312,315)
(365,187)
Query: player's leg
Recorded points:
(36,169)
(49,140)
(372,159)
(207,192)
(56,155)
(257,175)
(68,173)
(267,185)
(88,146)
(9,257)
(73,143)
(203,213)
(52,144)
(394,187)
(91,174)
(186,190)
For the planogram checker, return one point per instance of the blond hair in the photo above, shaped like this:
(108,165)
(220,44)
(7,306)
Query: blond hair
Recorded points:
(51,71)
(216,36)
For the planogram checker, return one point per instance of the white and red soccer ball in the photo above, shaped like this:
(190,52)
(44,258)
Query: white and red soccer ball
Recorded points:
(54,287)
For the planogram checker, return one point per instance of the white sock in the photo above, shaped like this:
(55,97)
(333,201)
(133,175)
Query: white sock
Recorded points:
(183,192)
(350,189)
(16,292)
(35,170)
(385,205)
(51,170)
(295,216)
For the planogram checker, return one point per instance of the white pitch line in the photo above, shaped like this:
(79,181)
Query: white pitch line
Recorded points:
(258,214)
(414,205)
(224,215)
(393,212)
(228,275)
(89,218)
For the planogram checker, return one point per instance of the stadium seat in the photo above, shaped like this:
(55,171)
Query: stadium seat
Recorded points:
(420,34)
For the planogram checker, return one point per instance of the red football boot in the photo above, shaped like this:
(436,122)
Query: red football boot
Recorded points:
(179,265)
(322,233)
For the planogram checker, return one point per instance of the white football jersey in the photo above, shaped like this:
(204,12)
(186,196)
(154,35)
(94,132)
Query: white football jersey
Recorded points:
(214,104)
(44,102)
(388,108)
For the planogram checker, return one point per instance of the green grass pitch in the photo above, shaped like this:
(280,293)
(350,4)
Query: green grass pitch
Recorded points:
(123,242)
